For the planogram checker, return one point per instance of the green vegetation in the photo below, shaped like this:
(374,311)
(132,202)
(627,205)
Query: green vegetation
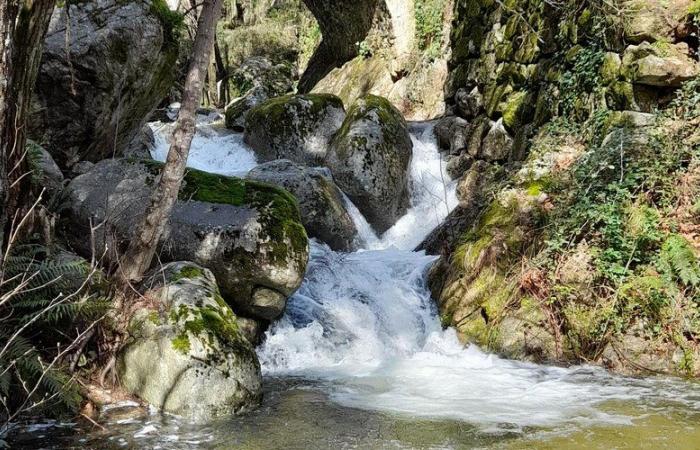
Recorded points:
(46,306)
(429,25)
(173,22)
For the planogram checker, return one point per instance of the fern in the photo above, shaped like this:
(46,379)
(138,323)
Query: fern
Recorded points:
(677,260)
(52,301)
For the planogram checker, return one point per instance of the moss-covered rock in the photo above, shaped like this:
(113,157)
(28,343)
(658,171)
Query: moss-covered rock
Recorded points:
(186,354)
(661,64)
(249,234)
(369,159)
(95,90)
(294,127)
(323,210)
(654,20)
(253,82)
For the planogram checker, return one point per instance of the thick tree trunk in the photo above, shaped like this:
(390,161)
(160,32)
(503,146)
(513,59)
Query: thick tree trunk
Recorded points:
(23,25)
(139,255)
(343,24)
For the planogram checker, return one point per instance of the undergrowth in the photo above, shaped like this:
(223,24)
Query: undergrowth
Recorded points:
(618,206)
(48,305)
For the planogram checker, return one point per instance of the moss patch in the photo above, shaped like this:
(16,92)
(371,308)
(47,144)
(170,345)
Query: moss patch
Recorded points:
(173,22)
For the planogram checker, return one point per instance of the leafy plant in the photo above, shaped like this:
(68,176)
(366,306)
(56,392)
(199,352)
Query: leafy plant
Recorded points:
(43,301)
(429,26)
(677,261)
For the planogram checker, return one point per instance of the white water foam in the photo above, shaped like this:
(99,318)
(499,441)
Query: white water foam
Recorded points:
(214,149)
(364,324)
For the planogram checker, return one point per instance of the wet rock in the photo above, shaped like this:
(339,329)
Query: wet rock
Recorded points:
(323,210)
(452,134)
(247,233)
(369,159)
(457,165)
(498,144)
(294,127)
(251,329)
(91,101)
(187,355)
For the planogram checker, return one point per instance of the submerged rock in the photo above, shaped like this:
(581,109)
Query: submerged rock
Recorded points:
(369,159)
(187,355)
(101,77)
(323,210)
(294,127)
(248,234)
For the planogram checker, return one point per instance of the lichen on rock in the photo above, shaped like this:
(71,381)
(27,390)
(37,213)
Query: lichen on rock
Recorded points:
(294,127)
(186,354)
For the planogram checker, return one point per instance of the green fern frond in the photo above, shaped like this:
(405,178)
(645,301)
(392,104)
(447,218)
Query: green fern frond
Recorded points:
(677,260)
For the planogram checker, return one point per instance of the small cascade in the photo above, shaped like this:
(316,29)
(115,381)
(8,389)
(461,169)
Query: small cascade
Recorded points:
(364,329)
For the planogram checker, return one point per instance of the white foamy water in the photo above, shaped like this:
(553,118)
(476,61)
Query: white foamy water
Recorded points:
(214,149)
(364,325)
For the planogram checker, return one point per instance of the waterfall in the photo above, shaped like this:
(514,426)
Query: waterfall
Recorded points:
(364,327)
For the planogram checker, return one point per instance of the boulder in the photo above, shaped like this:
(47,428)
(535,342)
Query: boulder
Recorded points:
(253,82)
(659,65)
(186,355)
(235,113)
(498,144)
(369,159)
(452,134)
(654,20)
(249,234)
(258,71)
(457,165)
(92,100)
(140,147)
(294,127)
(45,171)
(322,206)
(469,103)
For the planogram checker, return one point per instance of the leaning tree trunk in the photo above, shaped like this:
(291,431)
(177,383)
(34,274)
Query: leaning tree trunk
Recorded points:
(139,254)
(343,24)
(23,25)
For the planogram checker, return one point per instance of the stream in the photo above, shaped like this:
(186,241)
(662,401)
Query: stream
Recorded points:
(360,360)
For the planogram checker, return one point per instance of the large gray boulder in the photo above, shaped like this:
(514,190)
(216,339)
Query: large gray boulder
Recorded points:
(294,127)
(186,354)
(248,234)
(91,100)
(253,82)
(322,206)
(369,159)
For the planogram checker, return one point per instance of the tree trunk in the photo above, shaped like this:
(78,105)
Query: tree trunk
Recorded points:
(23,26)
(139,255)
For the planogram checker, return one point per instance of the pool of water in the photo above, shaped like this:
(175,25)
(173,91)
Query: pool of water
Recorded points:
(360,360)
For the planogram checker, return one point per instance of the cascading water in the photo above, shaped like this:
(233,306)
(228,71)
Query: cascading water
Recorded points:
(364,327)
(360,360)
